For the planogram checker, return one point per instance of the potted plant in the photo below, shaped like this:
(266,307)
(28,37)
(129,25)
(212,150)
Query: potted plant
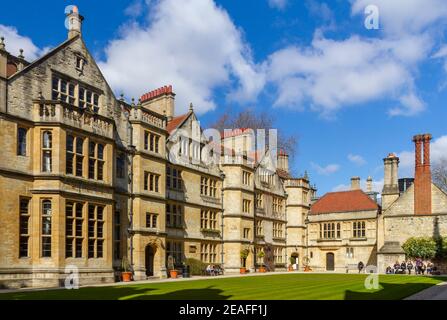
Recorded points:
(126,274)
(173,273)
(292,261)
(306,262)
(261,255)
(244,255)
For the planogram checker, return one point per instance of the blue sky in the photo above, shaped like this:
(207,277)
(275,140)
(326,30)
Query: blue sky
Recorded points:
(351,95)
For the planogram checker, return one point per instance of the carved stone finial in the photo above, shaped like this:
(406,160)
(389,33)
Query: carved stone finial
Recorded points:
(121,97)
(133,101)
(191,107)
(21,54)
(2,43)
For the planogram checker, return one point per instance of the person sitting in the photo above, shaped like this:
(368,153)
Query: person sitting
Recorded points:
(389,270)
(396,267)
(409,267)
(403,267)
(209,270)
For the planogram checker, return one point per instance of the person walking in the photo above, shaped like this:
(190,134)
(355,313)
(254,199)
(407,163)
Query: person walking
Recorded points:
(423,268)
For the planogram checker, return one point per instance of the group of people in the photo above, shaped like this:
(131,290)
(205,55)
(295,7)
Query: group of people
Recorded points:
(213,270)
(419,266)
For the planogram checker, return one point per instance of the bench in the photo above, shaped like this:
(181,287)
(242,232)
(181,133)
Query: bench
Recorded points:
(352,266)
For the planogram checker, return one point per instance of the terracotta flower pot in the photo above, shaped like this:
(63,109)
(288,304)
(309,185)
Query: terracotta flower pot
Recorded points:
(262,269)
(243,270)
(127,276)
(173,274)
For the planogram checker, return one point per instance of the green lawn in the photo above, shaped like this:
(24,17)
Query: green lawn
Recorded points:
(269,287)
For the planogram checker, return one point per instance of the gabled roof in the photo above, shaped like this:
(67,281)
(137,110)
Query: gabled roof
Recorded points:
(177,122)
(344,201)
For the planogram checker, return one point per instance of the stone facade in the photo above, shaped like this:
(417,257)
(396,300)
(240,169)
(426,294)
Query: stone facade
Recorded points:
(88,179)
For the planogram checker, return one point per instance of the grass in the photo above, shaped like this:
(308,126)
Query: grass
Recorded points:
(269,287)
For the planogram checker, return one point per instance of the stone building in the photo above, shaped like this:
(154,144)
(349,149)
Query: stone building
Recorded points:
(419,211)
(88,179)
(342,230)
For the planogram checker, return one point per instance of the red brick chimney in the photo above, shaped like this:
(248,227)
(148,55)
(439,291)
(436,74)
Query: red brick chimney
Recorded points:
(422,175)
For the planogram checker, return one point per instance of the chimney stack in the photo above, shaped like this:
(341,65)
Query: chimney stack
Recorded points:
(422,174)
(390,191)
(283,161)
(73,21)
(161,101)
(369,186)
(355,183)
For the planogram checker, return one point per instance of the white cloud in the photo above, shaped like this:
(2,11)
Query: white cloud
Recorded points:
(195,47)
(356,159)
(14,42)
(399,17)
(278,4)
(333,74)
(327,170)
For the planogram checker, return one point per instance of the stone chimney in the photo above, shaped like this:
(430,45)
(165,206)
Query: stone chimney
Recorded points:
(355,183)
(3,59)
(422,174)
(3,74)
(73,22)
(160,100)
(390,190)
(283,161)
(369,186)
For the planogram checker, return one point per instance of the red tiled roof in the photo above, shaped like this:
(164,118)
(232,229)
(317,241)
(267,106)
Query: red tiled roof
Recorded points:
(344,201)
(175,122)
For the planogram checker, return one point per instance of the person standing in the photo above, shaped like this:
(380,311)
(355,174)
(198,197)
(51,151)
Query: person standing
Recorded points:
(409,267)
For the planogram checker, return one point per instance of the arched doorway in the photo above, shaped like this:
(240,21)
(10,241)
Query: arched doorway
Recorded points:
(330,261)
(149,260)
(295,261)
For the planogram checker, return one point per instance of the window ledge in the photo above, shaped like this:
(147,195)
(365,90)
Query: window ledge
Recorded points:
(210,231)
(358,239)
(329,240)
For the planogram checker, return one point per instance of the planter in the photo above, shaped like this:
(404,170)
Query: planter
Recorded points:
(243,270)
(307,269)
(126,276)
(173,274)
(262,269)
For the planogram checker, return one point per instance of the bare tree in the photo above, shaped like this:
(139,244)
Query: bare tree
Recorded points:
(252,119)
(440,174)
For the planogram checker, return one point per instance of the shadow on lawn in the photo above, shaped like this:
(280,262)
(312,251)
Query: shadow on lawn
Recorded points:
(115,293)
(389,291)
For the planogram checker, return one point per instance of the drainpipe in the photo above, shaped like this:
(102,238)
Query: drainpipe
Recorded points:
(222,176)
(131,150)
